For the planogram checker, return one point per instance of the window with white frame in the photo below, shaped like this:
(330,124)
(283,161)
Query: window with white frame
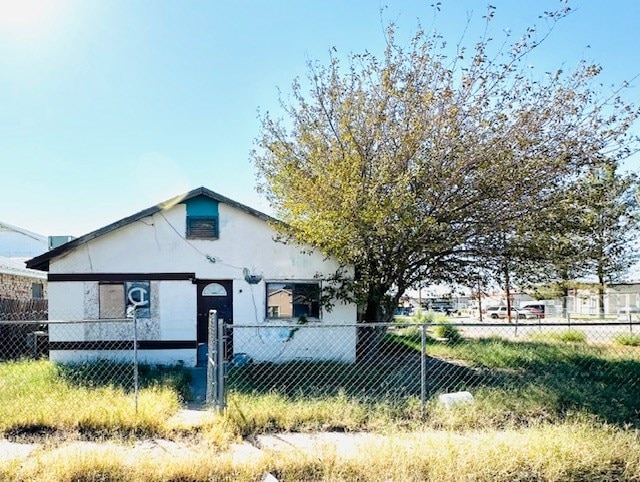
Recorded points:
(293,300)
(37,291)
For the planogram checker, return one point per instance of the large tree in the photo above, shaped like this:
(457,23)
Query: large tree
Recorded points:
(550,247)
(610,217)
(409,165)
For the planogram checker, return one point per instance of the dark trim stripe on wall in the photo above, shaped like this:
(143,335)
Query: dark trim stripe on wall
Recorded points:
(123,345)
(120,276)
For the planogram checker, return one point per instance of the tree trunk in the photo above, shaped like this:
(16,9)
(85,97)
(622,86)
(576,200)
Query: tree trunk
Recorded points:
(369,338)
(507,290)
(564,276)
(565,299)
(479,302)
(601,295)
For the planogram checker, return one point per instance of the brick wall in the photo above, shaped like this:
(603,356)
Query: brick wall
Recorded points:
(16,287)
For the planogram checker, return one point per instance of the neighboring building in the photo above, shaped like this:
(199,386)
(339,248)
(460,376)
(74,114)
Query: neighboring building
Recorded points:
(177,260)
(16,242)
(617,296)
(17,282)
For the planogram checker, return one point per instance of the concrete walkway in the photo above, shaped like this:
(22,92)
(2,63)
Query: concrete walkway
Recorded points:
(198,388)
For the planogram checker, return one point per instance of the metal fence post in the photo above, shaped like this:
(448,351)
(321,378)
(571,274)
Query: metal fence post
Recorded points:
(136,386)
(211,357)
(630,322)
(220,365)
(539,322)
(423,368)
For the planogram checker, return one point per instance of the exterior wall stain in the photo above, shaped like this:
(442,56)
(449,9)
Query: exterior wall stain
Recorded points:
(148,328)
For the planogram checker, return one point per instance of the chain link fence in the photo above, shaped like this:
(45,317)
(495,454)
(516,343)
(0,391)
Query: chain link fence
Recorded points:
(89,353)
(576,364)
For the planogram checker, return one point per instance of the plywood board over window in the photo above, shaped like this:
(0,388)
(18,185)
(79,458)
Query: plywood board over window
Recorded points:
(112,301)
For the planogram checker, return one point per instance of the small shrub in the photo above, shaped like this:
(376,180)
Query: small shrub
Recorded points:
(447,330)
(572,336)
(429,317)
(567,336)
(627,339)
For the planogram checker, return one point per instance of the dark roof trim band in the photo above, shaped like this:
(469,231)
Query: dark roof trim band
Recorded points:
(120,276)
(122,345)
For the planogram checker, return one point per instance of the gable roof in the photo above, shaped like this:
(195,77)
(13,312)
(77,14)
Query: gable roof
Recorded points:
(10,227)
(16,267)
(42,262)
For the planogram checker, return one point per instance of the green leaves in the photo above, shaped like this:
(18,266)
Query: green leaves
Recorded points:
(417,168)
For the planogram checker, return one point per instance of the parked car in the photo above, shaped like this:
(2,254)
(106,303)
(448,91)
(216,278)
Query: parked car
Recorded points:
(443,308)
(439,309)
(403,311)
(536,312)
(496,312)
(539,306)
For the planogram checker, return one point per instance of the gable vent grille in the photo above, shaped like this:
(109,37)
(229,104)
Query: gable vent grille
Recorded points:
(202,227)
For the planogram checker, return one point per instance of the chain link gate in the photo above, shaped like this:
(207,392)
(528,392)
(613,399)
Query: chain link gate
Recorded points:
(216,365)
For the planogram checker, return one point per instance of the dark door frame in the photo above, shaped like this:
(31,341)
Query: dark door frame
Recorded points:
(222,303)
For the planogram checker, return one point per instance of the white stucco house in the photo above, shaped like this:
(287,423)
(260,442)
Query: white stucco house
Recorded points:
(177,260)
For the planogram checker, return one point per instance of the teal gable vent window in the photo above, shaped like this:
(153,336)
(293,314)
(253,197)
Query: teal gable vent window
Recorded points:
(203,220)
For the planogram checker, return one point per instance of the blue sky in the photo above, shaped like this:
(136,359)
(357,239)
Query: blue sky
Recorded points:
(108,107)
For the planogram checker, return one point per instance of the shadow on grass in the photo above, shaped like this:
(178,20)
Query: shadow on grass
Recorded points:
(557,378)
(602,381)
(395,372)
(121,375)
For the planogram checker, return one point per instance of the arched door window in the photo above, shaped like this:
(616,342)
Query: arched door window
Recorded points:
(214,289)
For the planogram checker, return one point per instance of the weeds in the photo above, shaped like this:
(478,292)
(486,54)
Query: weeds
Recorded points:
(447,331)
(627,339)
(567,451)
(40,394)
(542,411)
(429,317)
(514,383)
(567,336)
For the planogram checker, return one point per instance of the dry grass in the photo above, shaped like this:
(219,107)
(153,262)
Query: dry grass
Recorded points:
(570,451)
(523,433)
(480,441)
(251,414)
(33,397)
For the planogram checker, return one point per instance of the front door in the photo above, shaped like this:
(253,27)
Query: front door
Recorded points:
(215,295)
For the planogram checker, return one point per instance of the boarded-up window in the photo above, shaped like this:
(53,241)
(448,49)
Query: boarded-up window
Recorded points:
(205,227)
(112,302)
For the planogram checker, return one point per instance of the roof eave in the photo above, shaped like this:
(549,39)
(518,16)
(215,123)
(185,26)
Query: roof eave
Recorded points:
(41,262)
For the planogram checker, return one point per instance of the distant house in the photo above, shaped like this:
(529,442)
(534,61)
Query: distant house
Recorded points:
(177,260)
(17,282)
(617,296)
(16,242)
